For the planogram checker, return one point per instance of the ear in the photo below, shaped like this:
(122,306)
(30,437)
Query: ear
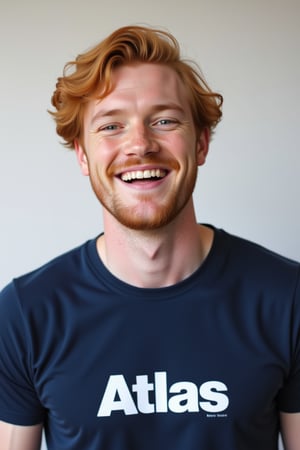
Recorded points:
(202,146)
(81,158)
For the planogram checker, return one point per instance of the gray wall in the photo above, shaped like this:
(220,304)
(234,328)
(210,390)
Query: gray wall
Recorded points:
(249,51)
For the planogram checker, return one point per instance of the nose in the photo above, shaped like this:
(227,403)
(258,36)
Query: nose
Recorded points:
(140,140)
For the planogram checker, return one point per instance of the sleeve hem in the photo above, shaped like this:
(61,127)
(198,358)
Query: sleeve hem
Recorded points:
(17,419)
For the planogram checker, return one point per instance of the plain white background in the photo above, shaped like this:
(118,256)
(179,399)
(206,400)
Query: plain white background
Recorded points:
(248,51)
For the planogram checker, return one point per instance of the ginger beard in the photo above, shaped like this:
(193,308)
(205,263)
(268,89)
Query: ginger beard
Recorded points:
(147,211)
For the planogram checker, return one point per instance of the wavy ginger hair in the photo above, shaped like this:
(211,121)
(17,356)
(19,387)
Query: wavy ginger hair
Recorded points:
(89,77)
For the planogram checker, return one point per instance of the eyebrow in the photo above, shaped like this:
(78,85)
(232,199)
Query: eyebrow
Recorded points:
(105,113)
(117,111)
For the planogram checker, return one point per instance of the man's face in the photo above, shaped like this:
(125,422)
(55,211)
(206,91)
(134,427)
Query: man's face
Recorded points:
(141,148)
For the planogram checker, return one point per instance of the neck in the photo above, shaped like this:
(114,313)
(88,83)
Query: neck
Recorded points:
(156,258)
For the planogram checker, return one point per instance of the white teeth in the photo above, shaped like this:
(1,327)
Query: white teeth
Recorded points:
(142,174)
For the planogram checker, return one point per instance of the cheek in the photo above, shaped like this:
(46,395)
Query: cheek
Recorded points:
(101,152)
(106,150)
(185,149)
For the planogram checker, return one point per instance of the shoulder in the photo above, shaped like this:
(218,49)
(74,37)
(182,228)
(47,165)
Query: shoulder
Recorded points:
(255,270)
(49,277)
(258,258)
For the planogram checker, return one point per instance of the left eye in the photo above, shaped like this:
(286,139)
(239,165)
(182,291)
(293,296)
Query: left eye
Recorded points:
(168,124)
(165,122)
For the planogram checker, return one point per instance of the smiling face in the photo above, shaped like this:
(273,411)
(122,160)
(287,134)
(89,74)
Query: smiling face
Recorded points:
(141,150)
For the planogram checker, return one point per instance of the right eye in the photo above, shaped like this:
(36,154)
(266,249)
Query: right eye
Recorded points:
(110,128)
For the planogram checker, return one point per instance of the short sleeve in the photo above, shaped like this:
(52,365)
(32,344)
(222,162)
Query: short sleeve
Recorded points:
(289,396)
(19,403)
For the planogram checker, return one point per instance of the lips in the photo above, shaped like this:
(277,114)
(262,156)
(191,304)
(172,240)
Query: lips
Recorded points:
(147,174)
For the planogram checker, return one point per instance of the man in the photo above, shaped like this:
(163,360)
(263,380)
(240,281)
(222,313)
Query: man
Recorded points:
(160,333)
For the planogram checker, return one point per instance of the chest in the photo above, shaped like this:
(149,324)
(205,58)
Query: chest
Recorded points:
(213,358)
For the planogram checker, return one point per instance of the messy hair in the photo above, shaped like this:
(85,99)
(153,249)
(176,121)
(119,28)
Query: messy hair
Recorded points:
(89,76)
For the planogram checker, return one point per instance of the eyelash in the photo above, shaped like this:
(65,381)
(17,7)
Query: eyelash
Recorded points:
(167,121)
(110,127)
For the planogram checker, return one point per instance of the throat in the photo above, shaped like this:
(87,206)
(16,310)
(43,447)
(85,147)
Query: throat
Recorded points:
(153,263)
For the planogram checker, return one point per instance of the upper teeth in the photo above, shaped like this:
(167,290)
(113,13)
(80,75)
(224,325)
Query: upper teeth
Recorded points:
(141,174)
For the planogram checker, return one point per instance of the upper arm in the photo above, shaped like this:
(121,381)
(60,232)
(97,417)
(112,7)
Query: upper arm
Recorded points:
(290,430)
(16,437)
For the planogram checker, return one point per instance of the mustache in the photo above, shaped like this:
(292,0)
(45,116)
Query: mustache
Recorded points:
(153,160)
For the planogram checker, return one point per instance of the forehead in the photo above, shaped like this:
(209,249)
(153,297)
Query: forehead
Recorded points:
(142,74)
(146,82)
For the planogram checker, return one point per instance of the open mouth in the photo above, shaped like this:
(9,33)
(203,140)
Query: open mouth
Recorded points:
(140,175)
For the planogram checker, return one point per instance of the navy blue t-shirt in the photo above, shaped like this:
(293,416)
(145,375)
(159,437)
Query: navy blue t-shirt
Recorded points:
(205,364)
